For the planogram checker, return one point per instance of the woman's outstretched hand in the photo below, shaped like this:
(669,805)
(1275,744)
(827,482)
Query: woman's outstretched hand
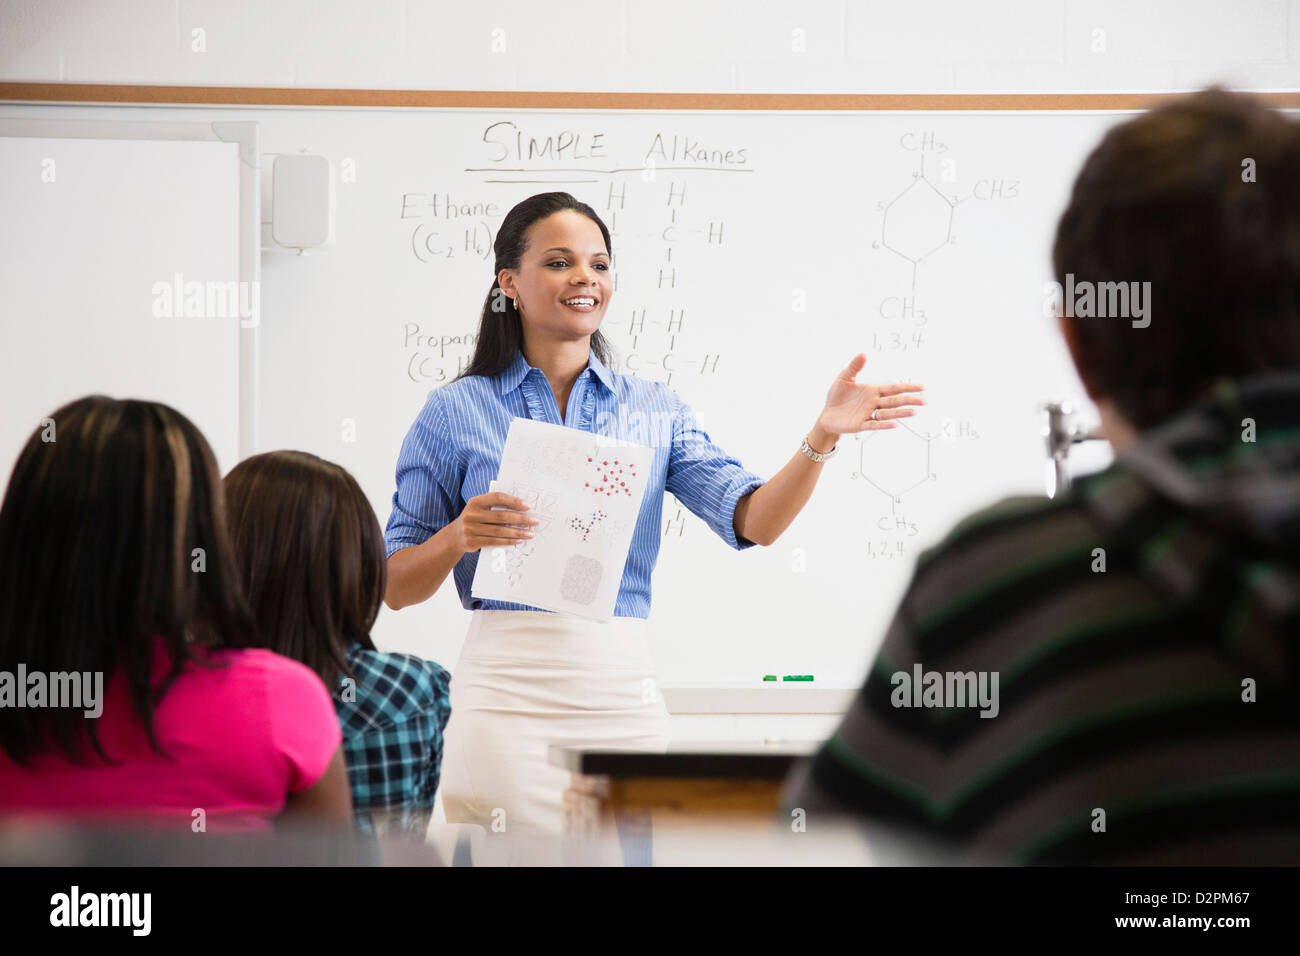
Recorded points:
(850,404)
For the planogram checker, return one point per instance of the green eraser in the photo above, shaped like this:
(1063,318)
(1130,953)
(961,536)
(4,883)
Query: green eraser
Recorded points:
(798,677)
(769,677)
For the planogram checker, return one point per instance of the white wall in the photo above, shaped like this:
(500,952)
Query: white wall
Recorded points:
(664,45)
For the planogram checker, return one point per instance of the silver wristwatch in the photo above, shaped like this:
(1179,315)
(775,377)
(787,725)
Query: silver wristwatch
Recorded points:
(817,455)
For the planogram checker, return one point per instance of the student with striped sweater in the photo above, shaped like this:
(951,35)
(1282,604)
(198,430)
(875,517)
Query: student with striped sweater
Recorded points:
(1143,627)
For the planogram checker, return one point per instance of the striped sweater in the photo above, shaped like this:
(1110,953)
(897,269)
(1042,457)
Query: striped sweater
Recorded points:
(1143,633)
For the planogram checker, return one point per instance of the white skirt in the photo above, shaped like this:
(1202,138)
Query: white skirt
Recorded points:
(526,680)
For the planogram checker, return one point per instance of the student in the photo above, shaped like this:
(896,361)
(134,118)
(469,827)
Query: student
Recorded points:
(1143,626)
(526,677)
(311,555)
(117,573)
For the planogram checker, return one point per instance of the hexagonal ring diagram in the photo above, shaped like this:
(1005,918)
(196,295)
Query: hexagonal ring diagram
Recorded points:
(917,222)
(902,466)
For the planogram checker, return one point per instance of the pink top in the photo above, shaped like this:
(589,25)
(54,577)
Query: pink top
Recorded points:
(241,737)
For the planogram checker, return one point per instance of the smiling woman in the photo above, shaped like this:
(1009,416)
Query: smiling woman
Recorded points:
(529,678)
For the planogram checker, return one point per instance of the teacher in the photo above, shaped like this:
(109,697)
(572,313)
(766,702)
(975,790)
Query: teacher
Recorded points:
(528,678)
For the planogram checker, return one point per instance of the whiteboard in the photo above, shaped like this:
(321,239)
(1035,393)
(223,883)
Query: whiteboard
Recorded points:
(753,257)
(118,251)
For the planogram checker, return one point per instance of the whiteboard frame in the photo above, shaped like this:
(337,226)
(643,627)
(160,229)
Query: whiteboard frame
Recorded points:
(118,94)
(246,136)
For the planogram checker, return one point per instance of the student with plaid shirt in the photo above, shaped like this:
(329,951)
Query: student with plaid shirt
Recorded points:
(312,558)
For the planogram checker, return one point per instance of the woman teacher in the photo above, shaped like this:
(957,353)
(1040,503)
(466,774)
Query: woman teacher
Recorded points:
(528,678)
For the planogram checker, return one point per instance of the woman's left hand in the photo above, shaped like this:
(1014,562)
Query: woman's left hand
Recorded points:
(850,405)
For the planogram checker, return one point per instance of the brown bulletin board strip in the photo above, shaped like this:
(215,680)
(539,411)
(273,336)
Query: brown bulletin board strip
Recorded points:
(516,99)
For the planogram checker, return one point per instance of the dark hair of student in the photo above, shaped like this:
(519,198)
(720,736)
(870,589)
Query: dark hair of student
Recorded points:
(104,511)
(500,333)
(1200,196)
(311,555)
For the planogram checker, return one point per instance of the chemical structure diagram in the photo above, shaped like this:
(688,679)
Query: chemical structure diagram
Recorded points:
(675,526)
(670,360)
(901,469)
(896,469)
(648,356)
(587,523)
(671,234)
(919,221)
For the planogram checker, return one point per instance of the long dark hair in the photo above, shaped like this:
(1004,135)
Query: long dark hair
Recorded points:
(500,332)
(311,554)
(104,509)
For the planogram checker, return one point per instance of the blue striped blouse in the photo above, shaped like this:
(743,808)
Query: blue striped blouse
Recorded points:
(453,449)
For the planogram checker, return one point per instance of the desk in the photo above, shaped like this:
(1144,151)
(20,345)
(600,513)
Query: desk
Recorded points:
(735,783)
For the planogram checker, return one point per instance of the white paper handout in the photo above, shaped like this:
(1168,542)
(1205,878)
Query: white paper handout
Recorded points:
(585,490)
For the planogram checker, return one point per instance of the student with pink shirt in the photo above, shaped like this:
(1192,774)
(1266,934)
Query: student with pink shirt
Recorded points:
(118,574)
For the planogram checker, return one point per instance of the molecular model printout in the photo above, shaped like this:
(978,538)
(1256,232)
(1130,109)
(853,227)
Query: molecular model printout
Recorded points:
(586,491)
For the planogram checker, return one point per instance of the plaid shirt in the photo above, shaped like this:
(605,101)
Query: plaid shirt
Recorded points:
(392,720)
